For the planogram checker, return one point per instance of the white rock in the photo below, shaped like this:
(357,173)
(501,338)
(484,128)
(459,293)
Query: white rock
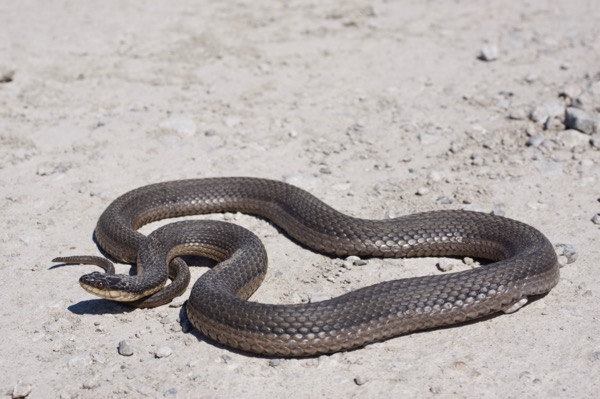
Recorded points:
(21,389)
(489,52)
(180,124)
(163,351)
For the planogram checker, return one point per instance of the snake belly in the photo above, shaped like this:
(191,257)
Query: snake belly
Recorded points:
(524,264)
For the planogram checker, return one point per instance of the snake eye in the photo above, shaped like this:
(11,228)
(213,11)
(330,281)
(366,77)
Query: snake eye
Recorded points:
(101,285)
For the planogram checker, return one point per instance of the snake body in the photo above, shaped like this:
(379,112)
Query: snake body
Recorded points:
(524,264)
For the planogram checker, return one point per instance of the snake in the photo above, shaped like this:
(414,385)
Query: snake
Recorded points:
(522,264)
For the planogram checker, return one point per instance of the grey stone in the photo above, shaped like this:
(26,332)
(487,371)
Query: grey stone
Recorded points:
(535,140)
(543,113)
(125,348)
(596,218)
(444,200)
(571,138)
(578,119)
(360,380)
(422,191)
(568,251)
(488,52)
(445,265)
(21,389)
(356,261)
(163,351)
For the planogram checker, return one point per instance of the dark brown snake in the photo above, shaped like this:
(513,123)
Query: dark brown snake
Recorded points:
(524,264)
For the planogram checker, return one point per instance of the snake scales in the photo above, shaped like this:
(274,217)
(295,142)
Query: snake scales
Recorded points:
(525,264)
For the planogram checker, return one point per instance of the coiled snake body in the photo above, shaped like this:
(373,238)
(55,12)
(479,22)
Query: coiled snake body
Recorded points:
(525,264)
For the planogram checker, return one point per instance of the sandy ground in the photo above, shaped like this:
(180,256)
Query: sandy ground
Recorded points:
(379,108)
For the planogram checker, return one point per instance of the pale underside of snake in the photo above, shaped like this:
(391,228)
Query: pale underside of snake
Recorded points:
(524,264)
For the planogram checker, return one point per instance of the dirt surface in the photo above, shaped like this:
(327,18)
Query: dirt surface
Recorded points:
(378,108)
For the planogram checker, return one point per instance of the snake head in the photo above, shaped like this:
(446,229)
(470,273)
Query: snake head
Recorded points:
(108,286)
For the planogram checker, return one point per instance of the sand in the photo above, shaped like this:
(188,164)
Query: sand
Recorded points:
(378,108)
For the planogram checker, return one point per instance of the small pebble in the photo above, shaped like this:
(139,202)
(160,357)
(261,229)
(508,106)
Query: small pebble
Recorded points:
(80,361)
(228,216)
(6,75)
(356,261)
(543,113)
(318,298)
(499,210)
(568,251)
(528,376)
(517,114)
(571,138)
(428,138)
(360,380)
(444,200)
(596,218)
(422,191)
(177,302)
(21,389)
(179,124)
(477,160)
(163,351)
(125,348)
(535,140)
(91,384)
(274,362)
(578,119)
(325,170)
(445,265)
(531,77)
(489,52)
(170,392)
(468,261)
(434,176)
